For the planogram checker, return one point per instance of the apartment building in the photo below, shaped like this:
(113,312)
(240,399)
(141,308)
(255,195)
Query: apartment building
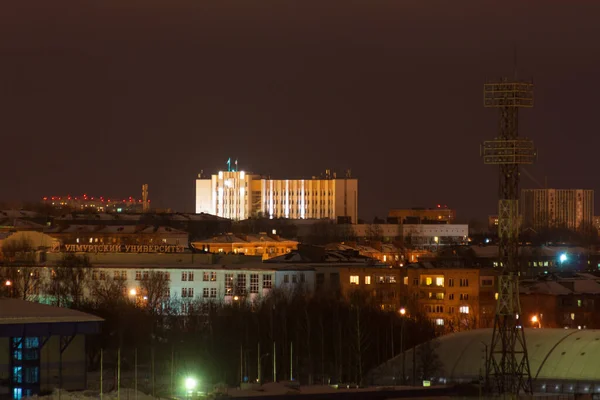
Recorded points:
(381,285)
(556,208)
(454,298)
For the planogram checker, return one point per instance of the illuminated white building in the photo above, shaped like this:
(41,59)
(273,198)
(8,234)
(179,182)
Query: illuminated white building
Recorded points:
(239,195)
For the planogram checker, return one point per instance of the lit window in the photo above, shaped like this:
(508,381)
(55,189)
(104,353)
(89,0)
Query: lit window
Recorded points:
(573,316)
(405,280)
(439,321)
(464,309)
(439,281)
(578,303)
(428,281)
(367,280)
(354,279)
(384,258)
(496,296)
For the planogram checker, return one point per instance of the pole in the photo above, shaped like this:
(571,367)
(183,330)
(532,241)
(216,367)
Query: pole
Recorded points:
(402,350)
(291,361)
(172,368)
(101,371)
(414,371)
(152,354)
(60,369)
(392,328)
(274,363)
(135,374)
(241,364)
(119,373)
(258,366)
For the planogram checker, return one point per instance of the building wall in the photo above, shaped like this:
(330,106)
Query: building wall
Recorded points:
(238,195)
(565,208)
(424,214)
(450,297)
(427,236)
(380,285)
(73,362)
(191,283)
(204,197)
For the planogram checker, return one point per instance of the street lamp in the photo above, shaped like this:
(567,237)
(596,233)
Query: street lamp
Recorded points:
(536,320)
(133,292)
(190,385)
(562,258)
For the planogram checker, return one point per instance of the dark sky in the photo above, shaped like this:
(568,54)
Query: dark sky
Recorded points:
(102,96)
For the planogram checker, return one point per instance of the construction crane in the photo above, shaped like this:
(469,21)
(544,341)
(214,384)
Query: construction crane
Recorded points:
(507,364)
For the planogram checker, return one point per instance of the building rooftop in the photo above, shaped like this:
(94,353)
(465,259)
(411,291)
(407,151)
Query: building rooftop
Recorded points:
(15,311)
(320,255)
(242,238)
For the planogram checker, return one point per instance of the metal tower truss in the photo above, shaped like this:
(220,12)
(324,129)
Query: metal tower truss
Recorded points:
(507,366)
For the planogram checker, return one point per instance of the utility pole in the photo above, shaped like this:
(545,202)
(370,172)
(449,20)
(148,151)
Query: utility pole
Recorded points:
(135,373)
(274,363)
(101,372)
(119,373)
(291,361)
(507,366)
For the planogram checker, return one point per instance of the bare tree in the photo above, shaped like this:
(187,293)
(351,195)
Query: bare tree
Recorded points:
(155,290)
(19,275)
(109,291)
(429,360)
(69,279)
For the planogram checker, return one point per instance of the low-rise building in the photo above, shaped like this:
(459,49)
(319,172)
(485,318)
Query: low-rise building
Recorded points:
(263,244)
(561,301)
(441,213)
(98,236)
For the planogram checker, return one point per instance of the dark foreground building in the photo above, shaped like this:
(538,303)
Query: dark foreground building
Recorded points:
(561,360)
(42,348)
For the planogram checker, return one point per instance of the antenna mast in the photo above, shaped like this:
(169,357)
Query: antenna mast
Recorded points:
(507,368)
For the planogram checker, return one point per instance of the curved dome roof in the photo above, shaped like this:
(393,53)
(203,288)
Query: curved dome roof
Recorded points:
(554,355)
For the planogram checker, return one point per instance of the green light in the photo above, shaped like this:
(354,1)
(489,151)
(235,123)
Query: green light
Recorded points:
(190,384)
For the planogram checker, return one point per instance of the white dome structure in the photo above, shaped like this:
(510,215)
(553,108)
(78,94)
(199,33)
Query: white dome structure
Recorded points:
(561,360)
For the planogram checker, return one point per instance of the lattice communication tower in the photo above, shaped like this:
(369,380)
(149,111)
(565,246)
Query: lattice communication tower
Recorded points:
(507,364)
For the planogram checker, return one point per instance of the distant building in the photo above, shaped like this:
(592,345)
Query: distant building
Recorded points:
(420,236)
(493,223)
(264,245)
(433,236)
(562,301)
(95,204)
(96,237)
(556,208)
(239,195)
(420,215)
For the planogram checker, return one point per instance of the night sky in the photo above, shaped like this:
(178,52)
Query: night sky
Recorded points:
(102,96)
